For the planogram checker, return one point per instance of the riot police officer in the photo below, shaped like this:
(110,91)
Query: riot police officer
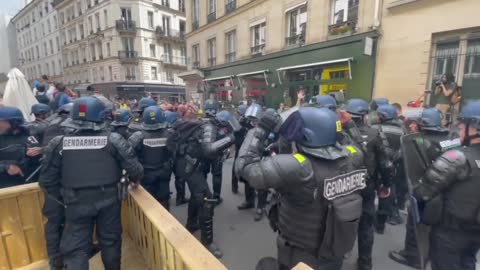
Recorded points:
(239,137)
(437,141)
(326,101)
(320,205)
(121,120)
(452,179)
(215,166)
(86,168)
(178,165)
(201,147)
(391,130)
(13,147)
(136,123)
(377,162)
(151,148)
(253,113)
(55,121)
(372,117)
(38,127)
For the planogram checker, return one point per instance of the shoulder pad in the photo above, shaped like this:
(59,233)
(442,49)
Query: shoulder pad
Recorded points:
(456,157)
(54,143)
(49,150)
(293,168)
(135,138)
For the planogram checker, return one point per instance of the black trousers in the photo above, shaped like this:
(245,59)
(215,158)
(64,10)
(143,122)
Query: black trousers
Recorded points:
(215,167)
(366,225)
(55,214)
(180,181)
(453,249)
(250,196)
(157,183)
(411,247)
(289,256)
(200,206)
(85,209)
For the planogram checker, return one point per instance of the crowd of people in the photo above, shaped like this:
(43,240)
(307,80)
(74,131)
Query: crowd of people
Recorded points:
(315,170)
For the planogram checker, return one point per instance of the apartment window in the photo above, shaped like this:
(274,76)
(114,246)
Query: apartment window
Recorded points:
(258,38)
(57,42)
(54,71)
(43,29)
(97,21)
(154,75)
(38,51)
(109,50)
(170,77)
(166,3)
(446,58)
(126,14)
(472,63)
(166,25)
(105,17)
(297,26)
(183,54)
(130,73)
(181,5)
(150,19)
(230,6)
(79,8)
(48,68)
(45,51)
(167,52)
(153,50)
(51,46)
(82,31)
(196,55)
(110,73)
(100,50)
(212,52)
(345,11)
(212,10)
(230,49)
(90,24)
(49,26)
(92,52)
(128,44)
(195,14)
(102,74)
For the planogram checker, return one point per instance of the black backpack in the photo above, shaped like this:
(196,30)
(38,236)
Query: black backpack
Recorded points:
(181,132)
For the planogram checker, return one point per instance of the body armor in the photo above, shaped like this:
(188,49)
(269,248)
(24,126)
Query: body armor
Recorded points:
(154,149)
(91,150)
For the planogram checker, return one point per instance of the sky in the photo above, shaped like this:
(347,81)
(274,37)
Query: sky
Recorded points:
(10,7)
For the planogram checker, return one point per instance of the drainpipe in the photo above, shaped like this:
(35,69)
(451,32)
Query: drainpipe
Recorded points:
(376,21)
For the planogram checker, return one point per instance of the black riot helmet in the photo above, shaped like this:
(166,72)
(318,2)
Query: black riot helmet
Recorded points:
(227,119)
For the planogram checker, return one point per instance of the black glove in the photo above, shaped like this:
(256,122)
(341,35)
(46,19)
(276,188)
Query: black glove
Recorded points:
(269,122)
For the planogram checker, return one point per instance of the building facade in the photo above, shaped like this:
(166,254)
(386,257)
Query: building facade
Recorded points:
(38,41)
(266,50)
(124,48)
(423,39)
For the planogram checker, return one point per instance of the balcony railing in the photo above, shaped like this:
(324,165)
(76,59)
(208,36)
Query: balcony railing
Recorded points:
(195,25)
(130,77)
(212,17)
(256,50)
(230,57)
(128,56)
(341,28)
(230,6)
(124,26)
(295,40)
(168,33)
(212,61)
(177,61)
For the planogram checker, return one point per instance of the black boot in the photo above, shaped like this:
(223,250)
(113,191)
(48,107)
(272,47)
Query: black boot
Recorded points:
(56,263)
(219,200)
(192,227)
(206,226)
(181,200)
(259,214)
(364,263)
(245,205)
(402,257)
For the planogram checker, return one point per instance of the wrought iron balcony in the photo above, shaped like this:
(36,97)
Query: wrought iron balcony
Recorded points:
(212,17)
(174,61)
(170,34)
(230,6)
(230,57)
(257,50)
(126,27)
(295,40)
(128,56)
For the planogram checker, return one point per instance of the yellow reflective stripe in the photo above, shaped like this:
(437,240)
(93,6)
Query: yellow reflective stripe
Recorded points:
(299,157)
(351,149)
(339,126)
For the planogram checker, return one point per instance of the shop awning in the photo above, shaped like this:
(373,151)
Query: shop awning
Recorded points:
(253,73)
(323,63)
(218,78)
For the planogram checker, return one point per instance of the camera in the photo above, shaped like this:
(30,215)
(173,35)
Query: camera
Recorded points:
(438,83)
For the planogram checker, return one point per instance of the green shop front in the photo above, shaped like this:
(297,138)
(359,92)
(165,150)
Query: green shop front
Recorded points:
(346,64)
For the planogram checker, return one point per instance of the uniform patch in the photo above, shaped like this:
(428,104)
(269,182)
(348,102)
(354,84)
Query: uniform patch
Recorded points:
(32,140)
(84,143)
(450,144)
(339,126)
(351,149)
(344,184)
(157,142)
(299,157)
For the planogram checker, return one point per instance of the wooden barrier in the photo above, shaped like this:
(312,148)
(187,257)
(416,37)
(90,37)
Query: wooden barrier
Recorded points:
(22,239)
(163,241)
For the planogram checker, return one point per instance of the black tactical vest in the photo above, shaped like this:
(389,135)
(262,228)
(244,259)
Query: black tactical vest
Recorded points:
(154,149)
(463,200)
(13,147)
(302,212)
(434,143)
(87,161)
(393,134)
(54,129)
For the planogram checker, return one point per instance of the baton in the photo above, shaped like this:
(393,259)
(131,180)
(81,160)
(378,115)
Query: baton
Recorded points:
(33,174)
